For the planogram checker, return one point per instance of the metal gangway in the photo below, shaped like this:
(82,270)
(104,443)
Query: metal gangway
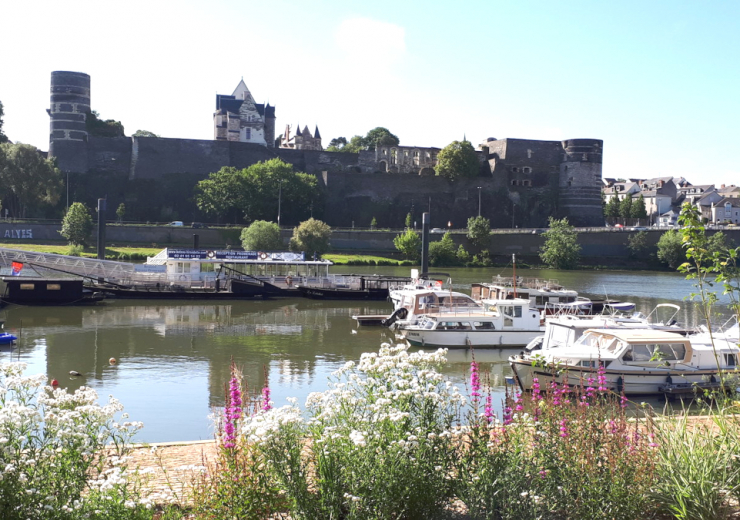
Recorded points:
(109,270)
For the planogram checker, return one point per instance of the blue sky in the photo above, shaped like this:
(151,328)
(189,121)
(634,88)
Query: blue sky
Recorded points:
(658,81)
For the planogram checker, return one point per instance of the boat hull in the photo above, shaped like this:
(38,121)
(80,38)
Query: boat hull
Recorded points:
(327,293)
(652,381)
(467,338)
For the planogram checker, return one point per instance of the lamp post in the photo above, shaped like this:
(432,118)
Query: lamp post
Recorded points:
(479,188)
(280,198)
(67,190)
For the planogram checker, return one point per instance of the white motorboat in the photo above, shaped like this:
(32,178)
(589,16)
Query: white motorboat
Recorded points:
(498,324)
(633,361)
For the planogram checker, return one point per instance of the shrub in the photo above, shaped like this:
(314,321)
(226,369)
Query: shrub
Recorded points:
(311,236)
(561,249)
(77,224)
(443,252)
(261,236)
(409,244)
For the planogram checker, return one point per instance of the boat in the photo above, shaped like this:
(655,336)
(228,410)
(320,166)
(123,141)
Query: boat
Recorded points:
(565,329)
(216,274)
(351,287)
(42,290)
(633,361)
(498,324)
(7,338)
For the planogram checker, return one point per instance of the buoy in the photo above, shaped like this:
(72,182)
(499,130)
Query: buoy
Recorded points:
(112,361)
(74,373)
(54,383)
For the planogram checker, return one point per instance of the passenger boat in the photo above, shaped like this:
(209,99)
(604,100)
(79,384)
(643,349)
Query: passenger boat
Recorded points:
(351,287)
(634,361)
(498,324)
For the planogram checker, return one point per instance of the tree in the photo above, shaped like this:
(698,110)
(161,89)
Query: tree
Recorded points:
(479,231)
(457,160)
(311,236)
(380,136)
(262,236)
(670,249)
(355,145)
(3,137)
(409,244)
(625,207)
(253,193)
(638,209)
(99,128)
(77,224)
(611,210)
(144,133)
(337,144)
(561,249)
(121,211)
(27,180)
(637,244)
(443,253)
(408,220)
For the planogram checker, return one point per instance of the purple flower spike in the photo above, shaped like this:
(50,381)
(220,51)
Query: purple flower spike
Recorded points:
(488,412)
(474,381)
(266,399)
(233,411)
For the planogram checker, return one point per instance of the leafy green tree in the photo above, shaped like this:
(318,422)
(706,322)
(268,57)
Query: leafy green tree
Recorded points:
(77,224)
(409,244)
(337,144)
(479,231)
(408,220)
(3,137)
(670,249)
(355,145)
(457,160)
(27,180)
(612,208)
(253,193)
(443,253)
(625,207)
(262,236)
(463,257)
(561,249)
(637,244)
(311,236)
(373,223)
(144,133)
(638,209)
(380,136)
(121,211)
(99,128)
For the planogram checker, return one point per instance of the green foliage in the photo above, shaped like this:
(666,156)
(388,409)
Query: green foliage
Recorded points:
(443,253)
(337,145)
(457,160)
(75,250)
(27,180)
(625,207)
(561,249)
(311,236)
(144,133)
(355,144)
(479,231)
(611,210)
(3,137)
(253,193)
(409,244)
(670,249)
(637,244)
(379,136)
(408,220)
(121,211)
(99,128)
(262,236)
(463,257)
(77,224)
(374,223)
(638,209)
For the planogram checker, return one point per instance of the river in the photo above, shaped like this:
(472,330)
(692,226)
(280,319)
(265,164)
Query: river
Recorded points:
(172,358)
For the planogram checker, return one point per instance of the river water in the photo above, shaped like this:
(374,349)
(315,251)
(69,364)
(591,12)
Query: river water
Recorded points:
(173,357)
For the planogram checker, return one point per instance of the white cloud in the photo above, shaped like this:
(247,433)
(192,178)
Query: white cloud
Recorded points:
(370,38)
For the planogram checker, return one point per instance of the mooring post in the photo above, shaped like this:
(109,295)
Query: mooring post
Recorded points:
(424,243)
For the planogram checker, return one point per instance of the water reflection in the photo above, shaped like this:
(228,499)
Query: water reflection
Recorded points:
(173,357)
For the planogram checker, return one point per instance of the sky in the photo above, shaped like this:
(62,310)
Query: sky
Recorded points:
(658,81)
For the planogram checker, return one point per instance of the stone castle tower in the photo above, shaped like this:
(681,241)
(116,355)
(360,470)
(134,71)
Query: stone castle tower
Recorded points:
(302,140)
(239,118)
(70,105)
(580,181)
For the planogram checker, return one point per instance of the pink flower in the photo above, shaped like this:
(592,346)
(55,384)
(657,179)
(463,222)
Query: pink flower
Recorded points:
(488,412)
(563,428)
(233,410)
(602,378)
(266,398)
(474,381)
(535,389)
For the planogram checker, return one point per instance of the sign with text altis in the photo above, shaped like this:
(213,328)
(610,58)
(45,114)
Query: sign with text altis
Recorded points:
(253,256)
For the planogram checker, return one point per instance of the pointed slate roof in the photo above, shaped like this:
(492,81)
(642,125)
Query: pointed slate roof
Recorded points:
(298,129)
(305,131)
(316,134)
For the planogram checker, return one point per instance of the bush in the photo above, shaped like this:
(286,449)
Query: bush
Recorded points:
(443,252)
(261,236)
(75,250)
(77,224)
(409,244)
(561,249)
(670,248)
(311,236)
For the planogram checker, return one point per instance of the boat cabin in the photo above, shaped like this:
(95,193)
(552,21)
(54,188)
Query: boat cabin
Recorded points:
(539,293)
(425,301)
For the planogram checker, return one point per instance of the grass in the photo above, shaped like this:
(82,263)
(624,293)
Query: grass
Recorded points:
(111,253)
(348,259)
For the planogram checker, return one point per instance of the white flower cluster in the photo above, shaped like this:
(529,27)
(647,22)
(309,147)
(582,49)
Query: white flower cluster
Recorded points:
(263,425)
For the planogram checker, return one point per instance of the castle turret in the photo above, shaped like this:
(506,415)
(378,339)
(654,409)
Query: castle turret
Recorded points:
(580,182)
(70,105)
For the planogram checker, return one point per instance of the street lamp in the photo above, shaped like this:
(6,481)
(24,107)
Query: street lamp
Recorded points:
(67,190)
(479,188)
(280,198)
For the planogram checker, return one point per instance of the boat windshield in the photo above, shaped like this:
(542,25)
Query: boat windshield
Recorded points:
(655,352)
(607,343)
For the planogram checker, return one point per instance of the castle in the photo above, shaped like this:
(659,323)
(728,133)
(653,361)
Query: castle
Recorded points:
(521,182)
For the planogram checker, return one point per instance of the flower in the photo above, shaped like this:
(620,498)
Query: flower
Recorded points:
(474,381)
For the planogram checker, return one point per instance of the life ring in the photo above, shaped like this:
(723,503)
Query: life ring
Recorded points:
(263,256)
(210,254)
(183,278)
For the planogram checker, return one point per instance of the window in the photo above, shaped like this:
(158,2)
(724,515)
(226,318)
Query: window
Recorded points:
(53,287)
(515,169)
(527,169)
(27,287)
(731,360)
(515,182)
(207,268)
(514,311)
(248,133)
(484,325)
(183,268)
(527,182)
